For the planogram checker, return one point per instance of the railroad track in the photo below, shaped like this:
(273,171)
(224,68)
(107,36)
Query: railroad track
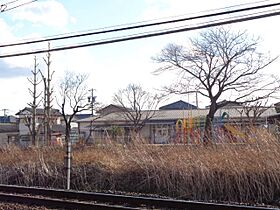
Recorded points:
(62,199)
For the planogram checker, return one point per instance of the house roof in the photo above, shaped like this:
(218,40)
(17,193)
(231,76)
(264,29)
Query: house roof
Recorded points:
(227,104)
(8,119)
(82,116)
(39,111)
(112,108)
(178,105)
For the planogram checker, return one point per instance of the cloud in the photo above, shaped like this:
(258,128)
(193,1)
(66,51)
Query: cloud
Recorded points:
(49,13)
(6,71)
(5,32)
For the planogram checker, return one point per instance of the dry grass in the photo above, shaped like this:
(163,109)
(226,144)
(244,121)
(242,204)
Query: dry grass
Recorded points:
(246,172)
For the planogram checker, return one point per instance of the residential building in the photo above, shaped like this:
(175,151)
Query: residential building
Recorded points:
(176,122)
(25,122)
(9,130)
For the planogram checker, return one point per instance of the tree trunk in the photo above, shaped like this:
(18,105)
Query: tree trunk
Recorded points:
(208,133)
(89,138)
(34,132)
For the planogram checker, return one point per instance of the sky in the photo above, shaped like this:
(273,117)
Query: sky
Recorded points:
(110,67)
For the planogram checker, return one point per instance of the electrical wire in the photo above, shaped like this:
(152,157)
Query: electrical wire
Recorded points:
(148,35)
(5,7)
(146,21)
(176,28)
(11,2)
(141,25)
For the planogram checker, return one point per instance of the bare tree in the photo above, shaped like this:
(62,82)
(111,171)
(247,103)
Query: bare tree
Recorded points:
(137,104)
(254,110)
(48,98)
(31,122)
(73,95)
(220,63)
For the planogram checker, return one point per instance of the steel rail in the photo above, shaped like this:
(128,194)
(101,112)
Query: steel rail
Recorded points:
(125,199)
(57,203)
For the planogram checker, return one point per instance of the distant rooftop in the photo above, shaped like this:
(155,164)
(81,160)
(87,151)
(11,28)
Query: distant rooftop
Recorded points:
(111,109)
(82,116)
(178,105)
(39,111)
(8,119)
(227,103)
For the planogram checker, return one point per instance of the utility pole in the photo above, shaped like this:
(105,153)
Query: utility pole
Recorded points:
(91,100)
(5,111)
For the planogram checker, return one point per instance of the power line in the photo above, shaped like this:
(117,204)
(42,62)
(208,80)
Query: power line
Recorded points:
(146,21)
(141,25)
(4,7)
(11,2)
(144,35)
(173,28)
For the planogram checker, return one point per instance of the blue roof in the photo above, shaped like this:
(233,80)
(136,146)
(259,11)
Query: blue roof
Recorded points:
(82,116)
(178,105)
(7,119)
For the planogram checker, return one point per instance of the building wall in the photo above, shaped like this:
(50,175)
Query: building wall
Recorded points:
(8,138)
(23,129)
(146,132)
(162,133)
(3,139)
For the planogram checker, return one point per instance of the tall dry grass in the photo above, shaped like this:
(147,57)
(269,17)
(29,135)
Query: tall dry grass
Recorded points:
(236,172)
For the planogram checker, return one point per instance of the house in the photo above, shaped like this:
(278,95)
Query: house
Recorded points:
(25,122)
(169,125)
(9,130)
(76,132)
(274,119)
(77,117)
(85,130)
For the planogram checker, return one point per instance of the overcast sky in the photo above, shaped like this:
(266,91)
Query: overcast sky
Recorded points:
(113,66)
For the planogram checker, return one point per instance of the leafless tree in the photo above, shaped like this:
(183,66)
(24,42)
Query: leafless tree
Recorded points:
(48,98)
(219,64)
(137,104)
(254,110)
(73,94)
(31,122)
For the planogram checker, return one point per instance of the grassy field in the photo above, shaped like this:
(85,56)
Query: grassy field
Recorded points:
(240,172)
